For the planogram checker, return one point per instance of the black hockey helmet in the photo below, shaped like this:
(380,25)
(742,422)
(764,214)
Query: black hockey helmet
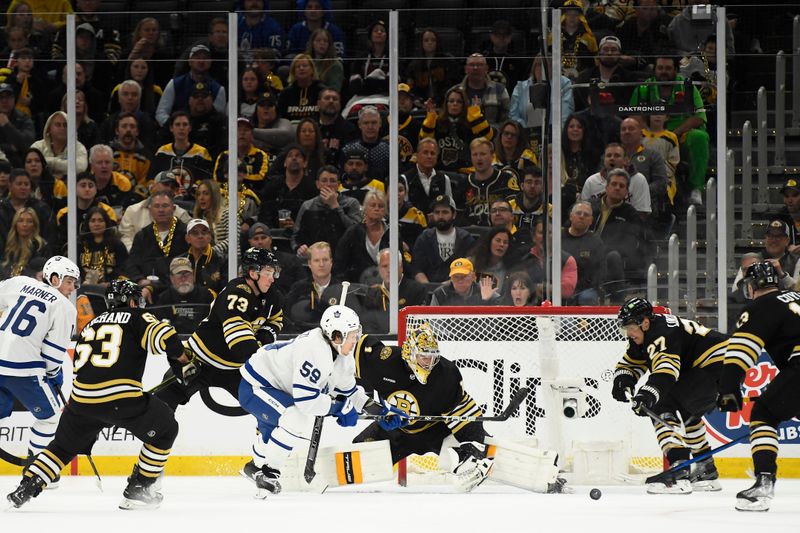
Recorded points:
(121,291)
(759,275)
(633,311)
(258,258)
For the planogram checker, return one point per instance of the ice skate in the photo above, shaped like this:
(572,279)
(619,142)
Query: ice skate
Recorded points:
(759,496)
(267,482)
(249,471)
(678,484)
(140,494)
(704,476)
(29,487)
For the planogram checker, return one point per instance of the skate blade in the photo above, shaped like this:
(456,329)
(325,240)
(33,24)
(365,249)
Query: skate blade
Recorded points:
(661,488)
(711,485)
(136,505)
(760,505)
(248,478)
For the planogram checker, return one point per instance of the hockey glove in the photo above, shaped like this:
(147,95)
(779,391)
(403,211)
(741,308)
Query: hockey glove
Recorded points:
(730,401)
(55,377)
(623,383)
(266,335)
(393,417)
(185,372)
(344,411)
(729,397)
(647,397)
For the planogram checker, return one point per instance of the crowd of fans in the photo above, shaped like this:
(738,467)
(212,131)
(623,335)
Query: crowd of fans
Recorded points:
(313,155)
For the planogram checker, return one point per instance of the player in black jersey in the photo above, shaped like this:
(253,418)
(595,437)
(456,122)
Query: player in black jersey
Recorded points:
(416,379)
(107,391)
(771,323)
(245,314)
(684,360)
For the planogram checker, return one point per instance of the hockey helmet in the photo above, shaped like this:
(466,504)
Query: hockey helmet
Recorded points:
(421,351)
(759,275)
(634,311)
(61,267)
(258,258)
(121,291)
(337,322)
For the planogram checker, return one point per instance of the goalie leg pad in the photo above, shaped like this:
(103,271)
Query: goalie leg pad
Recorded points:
(525,467)
(365,462)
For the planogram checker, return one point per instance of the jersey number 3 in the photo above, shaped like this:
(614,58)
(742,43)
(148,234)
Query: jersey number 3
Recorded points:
(110,336)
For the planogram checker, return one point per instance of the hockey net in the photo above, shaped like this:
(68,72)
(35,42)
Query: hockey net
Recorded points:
(560,353)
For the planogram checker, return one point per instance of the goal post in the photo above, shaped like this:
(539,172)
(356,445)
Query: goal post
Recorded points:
(566,356)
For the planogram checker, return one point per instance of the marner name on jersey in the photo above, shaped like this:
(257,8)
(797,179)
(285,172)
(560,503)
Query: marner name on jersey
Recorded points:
(38,292)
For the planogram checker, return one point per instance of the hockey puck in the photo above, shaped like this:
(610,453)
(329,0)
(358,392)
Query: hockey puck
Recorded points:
(595,494)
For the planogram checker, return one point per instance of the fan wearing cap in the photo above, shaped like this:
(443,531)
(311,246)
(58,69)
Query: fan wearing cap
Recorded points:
(501,55)
(86,193)
(209,267)
(271,132)
(776,251)
(184,303)
(408,128)
(438,246)
(217,43)
(189,161)
(463,288)
(355,180)
(607,68)
(209,126)
(256,28)
(177,92)
(16,128)
(790,212)
(253,163)
(578,44)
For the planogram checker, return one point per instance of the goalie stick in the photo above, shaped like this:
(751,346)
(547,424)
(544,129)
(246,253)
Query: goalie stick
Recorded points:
(513,405)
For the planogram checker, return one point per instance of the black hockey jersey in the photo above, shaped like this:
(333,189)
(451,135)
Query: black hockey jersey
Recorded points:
(382,368)
(111,354)
(671,346)
(226,338)
(770,322)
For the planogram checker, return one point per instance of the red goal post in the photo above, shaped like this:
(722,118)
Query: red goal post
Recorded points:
(558,352)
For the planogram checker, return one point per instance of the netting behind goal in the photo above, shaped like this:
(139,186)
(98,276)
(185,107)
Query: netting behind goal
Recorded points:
(561,354)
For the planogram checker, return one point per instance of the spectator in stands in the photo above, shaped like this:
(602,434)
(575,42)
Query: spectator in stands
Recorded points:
(326,216)
(501,215)
(371,74)
(147,44)
(790,212)
(578,44)
(506,66)
(177,92)
(320,48)
(643,35)
(521,107)
(34,32)
(656,138)
(252,162)
(16,129)
(164,238)
(412,220)
(184,303)
(29,87)
(528,204)
(619,226)
(305,297)
(432,71)
(588,251)
(5,174)
(292,271)
(96,101)
(23,244)
(210,268)
(86,198)
(282,196)
(609,70)
(424,182)
(356,254)
(520,290)
(408,125)
(486,184)
(53,146)
(308,136)
(454,128)
(138,215)
(580,155)
(250,84)
(376,299)
(20,196)
(44,186)
(776,251)
(463,289)
(534,264)
(101,255)
(315,15)
(209,126)
(129,97)
(638,189)
(336,132)
(689,128)
(492,256)
(440,244)
(113,188)
(257,29)
(299,99)
(131,158)
(189,162)
(356,182)
(646,162)
(737,295)
(370,143)
(688,32)
(512,149)
(217,44)
(139,71)
(271,132)
(491,96)
(265,61)
(88,130)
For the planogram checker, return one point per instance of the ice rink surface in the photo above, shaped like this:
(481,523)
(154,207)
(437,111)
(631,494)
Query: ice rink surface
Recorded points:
(226,504)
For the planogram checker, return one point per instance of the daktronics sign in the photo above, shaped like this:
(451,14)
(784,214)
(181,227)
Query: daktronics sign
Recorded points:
(726,427)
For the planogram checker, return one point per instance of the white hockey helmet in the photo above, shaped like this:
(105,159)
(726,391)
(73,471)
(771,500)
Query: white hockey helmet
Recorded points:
(61,267)
(338,321)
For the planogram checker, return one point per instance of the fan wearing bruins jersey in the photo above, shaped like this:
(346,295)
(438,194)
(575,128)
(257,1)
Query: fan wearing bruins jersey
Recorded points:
(771,323)
(416,379)
(110,358)
(684,360)
(245,314)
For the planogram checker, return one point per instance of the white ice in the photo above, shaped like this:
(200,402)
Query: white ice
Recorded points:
(226,504)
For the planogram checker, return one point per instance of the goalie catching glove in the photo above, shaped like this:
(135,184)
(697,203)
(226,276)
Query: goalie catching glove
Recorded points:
(392,417)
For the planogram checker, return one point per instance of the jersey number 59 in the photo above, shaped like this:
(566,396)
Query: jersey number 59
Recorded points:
(307,370)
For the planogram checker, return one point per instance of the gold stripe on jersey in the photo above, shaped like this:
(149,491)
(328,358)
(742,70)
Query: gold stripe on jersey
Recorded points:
(795,352)
(714,355)
(106,391)
(155,336)
(635,367)
(743,350)
(47,466)
(466,407)
(667,363)
(357,353)
(207,356)
(236,330)
(763,438)
(152,460)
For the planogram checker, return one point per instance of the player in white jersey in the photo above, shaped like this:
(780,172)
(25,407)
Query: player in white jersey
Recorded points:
(284,384)
(37,321)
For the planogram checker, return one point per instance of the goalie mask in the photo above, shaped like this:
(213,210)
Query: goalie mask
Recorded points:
(421,351)
(759,276)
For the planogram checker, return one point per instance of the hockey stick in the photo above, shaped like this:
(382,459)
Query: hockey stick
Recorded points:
(15,460)
(513,405)
(655,417)
(666,475)
(99,481)
(316,433)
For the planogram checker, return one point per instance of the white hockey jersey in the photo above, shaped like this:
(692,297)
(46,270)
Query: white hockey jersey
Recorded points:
(36,325)
(305,367)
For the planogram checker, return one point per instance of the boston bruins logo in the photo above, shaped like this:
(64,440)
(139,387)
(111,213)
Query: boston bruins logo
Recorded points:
(406,401)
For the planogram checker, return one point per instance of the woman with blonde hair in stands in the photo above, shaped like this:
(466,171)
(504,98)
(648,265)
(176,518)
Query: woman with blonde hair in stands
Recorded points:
(210,206)
(299,99)
(328,65)
(88,130)
(24,242)
(146,43)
